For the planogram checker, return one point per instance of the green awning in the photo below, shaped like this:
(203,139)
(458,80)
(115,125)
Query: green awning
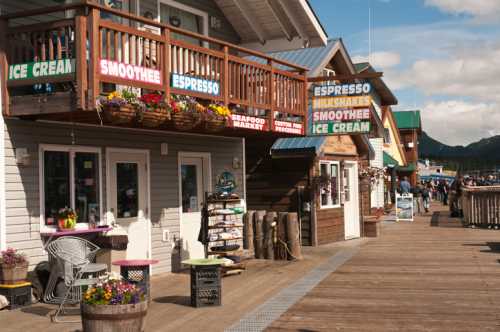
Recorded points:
(389,161)
(410,168)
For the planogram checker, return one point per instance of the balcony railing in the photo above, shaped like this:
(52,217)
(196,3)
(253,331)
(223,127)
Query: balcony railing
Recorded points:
(130,50)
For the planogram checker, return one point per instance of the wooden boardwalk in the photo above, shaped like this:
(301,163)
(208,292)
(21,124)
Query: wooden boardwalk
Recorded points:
(415,277)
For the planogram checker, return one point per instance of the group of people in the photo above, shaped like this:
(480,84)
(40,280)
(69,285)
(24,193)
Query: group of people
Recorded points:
(424,192)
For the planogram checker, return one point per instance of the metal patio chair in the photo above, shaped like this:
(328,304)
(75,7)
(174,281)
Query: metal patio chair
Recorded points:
(73,262)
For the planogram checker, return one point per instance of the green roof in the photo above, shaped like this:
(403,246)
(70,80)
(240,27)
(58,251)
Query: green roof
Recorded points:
(408,119)
(410,168)
(389,161)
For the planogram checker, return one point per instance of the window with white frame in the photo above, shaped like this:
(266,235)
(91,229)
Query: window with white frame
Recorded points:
(70,178)
(330,190)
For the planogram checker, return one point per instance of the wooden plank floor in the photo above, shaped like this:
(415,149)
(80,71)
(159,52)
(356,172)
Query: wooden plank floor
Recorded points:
(415,277)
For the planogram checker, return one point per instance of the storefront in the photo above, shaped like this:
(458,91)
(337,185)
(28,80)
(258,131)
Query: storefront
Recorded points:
(130,128)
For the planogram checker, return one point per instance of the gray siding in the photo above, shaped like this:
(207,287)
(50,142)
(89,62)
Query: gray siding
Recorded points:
(22,182)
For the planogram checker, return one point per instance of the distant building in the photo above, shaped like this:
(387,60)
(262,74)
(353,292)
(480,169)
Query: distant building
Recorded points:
(410,128)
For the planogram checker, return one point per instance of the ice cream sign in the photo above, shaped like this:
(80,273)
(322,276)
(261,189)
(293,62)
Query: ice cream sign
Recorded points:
(129,72)
(41,69)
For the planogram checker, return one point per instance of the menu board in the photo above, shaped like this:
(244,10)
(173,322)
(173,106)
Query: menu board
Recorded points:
(404,207)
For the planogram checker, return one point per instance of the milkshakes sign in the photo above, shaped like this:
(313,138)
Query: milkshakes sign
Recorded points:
(41,69)
(341,109)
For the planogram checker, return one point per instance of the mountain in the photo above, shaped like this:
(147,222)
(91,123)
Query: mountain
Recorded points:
(483,154)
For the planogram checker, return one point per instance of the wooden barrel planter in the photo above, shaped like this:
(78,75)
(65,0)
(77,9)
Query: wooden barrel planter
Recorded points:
(119,115)
(186,121)
(11,275)
(154,118)
(114,318)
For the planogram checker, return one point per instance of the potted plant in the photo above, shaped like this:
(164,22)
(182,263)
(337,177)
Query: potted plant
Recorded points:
(216,117)
(66,219)
(154,111)
(13,267)
(113,305)
(119,107)
(186,112)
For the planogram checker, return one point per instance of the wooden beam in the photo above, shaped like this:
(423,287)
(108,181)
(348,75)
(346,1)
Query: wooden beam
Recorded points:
(252,21)
(279,19)
(94,40)
(4,67)
(293,19)
(346,77)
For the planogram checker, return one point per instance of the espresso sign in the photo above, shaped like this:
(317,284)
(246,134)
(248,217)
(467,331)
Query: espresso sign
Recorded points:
(195,84)
(342,90)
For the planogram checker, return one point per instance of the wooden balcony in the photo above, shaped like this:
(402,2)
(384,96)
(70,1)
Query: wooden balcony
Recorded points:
(99,48)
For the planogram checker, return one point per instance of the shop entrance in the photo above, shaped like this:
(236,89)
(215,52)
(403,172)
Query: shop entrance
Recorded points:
(194,176)
(128,198)
(351,200)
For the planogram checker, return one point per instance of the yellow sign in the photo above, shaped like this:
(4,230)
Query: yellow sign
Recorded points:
(341,102)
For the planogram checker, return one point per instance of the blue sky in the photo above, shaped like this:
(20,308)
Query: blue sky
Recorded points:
(440,56)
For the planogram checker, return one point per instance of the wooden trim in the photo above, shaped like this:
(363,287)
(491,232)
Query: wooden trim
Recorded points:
(41,26)
(94,51)
(122,81)
(165,67)
(244,61)
(4,67)
(196,94)
(197,48)
(132,31)
(345,77)
(225,93)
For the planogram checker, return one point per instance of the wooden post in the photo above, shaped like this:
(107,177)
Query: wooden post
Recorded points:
(248,230)
(81,62)
(4,67)
(226,76)
(305,105)
(259,232)
(94,40)
(166,63)
(271,96)
(280,248)
(293,238)
(269,225)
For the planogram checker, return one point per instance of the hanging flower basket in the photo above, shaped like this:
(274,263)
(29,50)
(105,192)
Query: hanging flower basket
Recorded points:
(154,118)
(119,115)
(214,124)
(186,121)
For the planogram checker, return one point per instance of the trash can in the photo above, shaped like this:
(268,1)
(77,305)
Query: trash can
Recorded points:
(113,248)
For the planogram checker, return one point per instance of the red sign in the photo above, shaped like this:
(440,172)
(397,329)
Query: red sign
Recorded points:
(249,122)
(288,127)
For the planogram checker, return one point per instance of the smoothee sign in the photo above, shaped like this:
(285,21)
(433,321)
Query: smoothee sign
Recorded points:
(341,109)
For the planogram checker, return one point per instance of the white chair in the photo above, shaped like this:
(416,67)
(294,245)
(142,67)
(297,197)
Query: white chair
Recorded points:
(73,262)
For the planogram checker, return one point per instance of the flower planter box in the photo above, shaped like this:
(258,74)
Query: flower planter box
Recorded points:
(186,121)
(111,318)
(11,275)
(119,115)
(154,118)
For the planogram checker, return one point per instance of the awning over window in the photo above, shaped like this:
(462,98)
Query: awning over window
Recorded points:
(389,161)
(410,168)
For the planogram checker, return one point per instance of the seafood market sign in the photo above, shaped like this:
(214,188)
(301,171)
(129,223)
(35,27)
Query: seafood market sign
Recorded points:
(41,69)
(341,109)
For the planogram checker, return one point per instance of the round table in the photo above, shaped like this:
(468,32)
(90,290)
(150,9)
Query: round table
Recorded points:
(136,271)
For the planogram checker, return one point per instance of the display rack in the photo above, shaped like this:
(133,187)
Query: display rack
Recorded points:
(223,220)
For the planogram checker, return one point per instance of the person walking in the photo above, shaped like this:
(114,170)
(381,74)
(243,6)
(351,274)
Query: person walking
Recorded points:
(445,189)
(417,195)
(426,197)
(405,186)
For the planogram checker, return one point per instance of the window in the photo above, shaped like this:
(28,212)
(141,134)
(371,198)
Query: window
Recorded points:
(71,178)
(387,136)
(330,190)
(127,189)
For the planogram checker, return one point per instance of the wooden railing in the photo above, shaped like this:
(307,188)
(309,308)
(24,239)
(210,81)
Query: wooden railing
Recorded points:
(481,205)
(269,85)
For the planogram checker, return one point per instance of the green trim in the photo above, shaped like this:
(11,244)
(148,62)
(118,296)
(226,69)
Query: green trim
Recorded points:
(389,161)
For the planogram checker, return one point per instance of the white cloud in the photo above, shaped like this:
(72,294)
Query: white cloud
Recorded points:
(380,60)
(456,122)
(472,72)
(482,10)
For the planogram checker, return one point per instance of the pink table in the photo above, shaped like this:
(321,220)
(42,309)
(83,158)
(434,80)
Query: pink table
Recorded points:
(137,271)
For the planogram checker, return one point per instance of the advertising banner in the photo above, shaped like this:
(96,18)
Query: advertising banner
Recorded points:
(341,109)
(404,207)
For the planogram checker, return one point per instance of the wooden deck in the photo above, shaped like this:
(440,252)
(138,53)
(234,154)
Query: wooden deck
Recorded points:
(416,277)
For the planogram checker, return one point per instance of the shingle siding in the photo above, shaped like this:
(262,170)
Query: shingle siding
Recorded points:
(22,186)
